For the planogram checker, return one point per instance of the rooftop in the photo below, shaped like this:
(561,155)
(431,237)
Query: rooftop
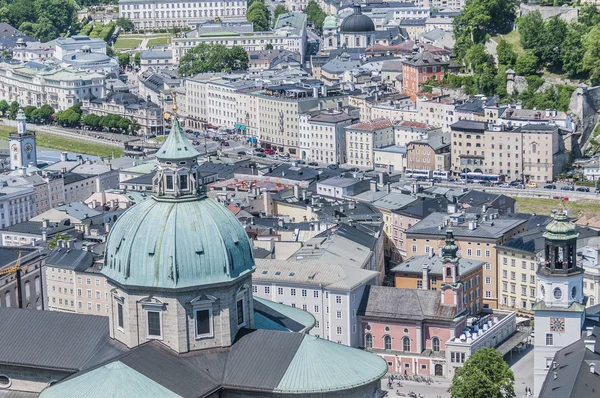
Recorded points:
(372,125)
(435,265)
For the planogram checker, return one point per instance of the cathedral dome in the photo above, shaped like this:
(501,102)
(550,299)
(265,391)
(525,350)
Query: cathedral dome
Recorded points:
(561,228)
(178,238)
(357,23)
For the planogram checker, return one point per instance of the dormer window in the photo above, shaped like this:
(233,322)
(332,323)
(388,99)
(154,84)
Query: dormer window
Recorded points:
(154,310)
(183,182)
(169,183)
(203,316)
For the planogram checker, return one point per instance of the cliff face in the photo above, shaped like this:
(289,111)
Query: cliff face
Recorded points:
(585,105)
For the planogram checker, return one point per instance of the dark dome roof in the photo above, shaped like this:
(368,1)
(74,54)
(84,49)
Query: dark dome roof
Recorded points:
(357,23)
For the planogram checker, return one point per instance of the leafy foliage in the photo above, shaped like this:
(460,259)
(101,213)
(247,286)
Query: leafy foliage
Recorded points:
(125,24)
(280,9)
(315,14)
(258,14)
(573,50)
(526,64)
(506,54)
(484,375)
(555,97)
(213,58)
(124,59)
(591,57)
(43,19)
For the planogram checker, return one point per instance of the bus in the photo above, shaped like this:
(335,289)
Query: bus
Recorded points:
(442,175)
(418,173)
(482,177)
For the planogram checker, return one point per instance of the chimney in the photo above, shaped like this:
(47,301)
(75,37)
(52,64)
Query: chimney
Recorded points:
(373,185)
(45,223)
(281,223)
(324,91)
(316,92)
(107,227)
(44,235)
(339,105)
(297,191)
(388,187)
(63,156)
(425,277)
(70,244)
(86,229)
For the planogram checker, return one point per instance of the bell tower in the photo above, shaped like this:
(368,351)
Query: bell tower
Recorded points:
(560,307)
(451,287)
(22,145)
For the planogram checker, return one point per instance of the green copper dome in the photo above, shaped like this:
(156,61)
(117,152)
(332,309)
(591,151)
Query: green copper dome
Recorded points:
(330,22)
(179,238)
(561,228)
(450,249)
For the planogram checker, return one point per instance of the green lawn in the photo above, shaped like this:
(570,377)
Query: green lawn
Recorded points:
(513,38)
(578,209)
(134,36)
(69,144)
(127,44)
(159,41)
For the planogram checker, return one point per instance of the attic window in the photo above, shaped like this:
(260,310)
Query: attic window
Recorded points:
(277,273)
(265,272)
(292,274)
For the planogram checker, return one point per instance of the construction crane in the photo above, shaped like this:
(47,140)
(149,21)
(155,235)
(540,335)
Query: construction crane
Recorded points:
(15,269)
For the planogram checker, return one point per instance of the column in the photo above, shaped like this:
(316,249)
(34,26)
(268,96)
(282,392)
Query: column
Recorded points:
(419,338)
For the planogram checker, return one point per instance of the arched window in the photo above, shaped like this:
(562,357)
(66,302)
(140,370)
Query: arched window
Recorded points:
(37,285)
(7,299)
(387,342)
(27,290)
(405,344)
(435,344)
(357,42)
(368,340)
(449,271)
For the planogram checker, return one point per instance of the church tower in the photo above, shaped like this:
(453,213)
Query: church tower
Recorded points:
(451,287)
(22,145)
(560,307)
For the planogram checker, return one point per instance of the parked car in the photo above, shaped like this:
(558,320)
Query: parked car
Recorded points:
(332,167)
(261,155)
(353,169)
(300,161)
(225,143)
(516,182)
(313,163)
(505,185)
(583,189)
(242,153)
(532,185)
(550,186)
(568,188)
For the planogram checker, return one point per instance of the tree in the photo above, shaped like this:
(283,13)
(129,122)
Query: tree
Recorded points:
(125,24)
(109,51)
(123,124)
(315,14)
(212,58)
(280,9)
(28,110)
(477,58)
(44,30)
(13,108)
(3,107)
(554,32)
(591,57)
(91,120)
(526,64)
(479,19)
(137,59)
(531,30)
(573,50)
(484,375)
(258,14)
(61,15)
(269,46)
(52,243)
(589,15)
(124,59)
(44,113)
(20,11)
(506,55)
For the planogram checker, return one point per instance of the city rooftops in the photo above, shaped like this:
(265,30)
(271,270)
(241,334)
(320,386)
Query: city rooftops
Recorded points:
(532,114)
(340,182)
(426,58)
(392,149)
(70,258)
(156,54)
(372,125)
(312,272)
(330,116)
(435,265)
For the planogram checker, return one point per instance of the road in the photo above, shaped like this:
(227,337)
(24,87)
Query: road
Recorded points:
(312,35)
(439,388)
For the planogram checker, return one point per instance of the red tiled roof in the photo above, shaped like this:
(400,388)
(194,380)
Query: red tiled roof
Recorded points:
(375,124)
(406,123)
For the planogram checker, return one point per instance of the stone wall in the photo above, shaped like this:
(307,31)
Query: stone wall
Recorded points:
(584,105)
(371,390)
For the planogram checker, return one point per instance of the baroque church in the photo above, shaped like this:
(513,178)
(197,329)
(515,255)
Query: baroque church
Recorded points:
(183,321)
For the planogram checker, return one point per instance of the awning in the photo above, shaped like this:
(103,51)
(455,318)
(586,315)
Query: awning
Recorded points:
(237,126)
(242,127)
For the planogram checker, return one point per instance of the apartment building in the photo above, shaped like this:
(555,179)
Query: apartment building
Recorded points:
(392,106)
(590,260)
(29,294)
(289,33)
(92,291)
(331,293)
(468,146)
(432,153)
(155,14)
(146,114)
(17,203)
(406,131)
(60,274)
(56,87)
(421,67)
(322,136)
(477,239)
(196,105)
(362,138)
(438,112)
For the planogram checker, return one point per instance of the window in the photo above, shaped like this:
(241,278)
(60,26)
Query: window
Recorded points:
(7,299)
(169,180)
(279,290)
(316,309)
(153,323)
(469,252)
(488,266)
(387,342)
(338,314)
(405,344)
(254,289)
(488,280)
(419,284)
(487,253)
(316,294)
(293,292)
(435,344)
(267,290)
(37,285)
(338,330)
(549,339)
(338,299)
(240,312)
(203,324)
(27,290)
(368,340)
(119,315)
(304,293)
(488,293)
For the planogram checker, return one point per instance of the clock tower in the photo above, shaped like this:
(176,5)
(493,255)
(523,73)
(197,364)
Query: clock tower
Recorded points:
(22,145)
(560,307)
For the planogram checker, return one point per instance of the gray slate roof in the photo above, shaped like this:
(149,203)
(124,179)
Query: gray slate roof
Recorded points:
(408,304)
(67,258)
(55,340)
(435,265)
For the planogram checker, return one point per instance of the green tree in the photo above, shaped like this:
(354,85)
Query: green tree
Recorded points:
(477,58)
(44,113)
(123,124)
(20,11)
(44,30)
(573,50)
(52,243)
(109,51)
(589,15)
(484,375)
(212,58)
(13,108)
(124,59)
(28,110)
(3,107)
(269,46)
(137,59)
(591,57)
(60,14)
(280,9)
(125,24)
(530,30)
(479,19)
(91,120)
(506,55)
(526,64)
(315,14)
(554,32)
(258,14)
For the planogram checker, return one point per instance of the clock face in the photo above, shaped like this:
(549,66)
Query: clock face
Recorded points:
(557,324)
(14,148)
(28,147)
